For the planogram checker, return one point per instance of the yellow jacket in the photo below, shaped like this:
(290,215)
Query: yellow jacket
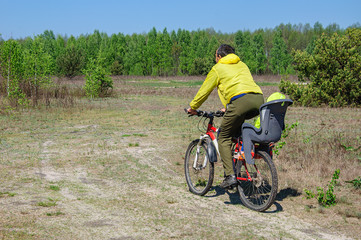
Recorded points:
(231,76)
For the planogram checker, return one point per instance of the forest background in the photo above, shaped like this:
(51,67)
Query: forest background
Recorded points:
(182,52)
(328,57)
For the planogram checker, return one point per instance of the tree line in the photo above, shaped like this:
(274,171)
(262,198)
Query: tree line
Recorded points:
(28,64)
(182,52)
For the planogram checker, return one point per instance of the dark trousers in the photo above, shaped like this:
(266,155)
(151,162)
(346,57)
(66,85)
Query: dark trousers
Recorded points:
(236,113)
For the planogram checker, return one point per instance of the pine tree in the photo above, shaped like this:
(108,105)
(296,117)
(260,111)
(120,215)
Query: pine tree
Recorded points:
(117,48)
(97,79)
(165,50)
(185,59)
(176,50)
(134,56)
(260,56)
(280,58)
(49,45)
(152,57)
(71,61)
(246,50)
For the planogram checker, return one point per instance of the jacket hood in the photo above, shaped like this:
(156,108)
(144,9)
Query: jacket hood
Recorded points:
(230,59)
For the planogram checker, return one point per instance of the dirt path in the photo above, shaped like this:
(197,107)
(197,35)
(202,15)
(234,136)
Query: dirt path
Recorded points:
(155,205)
(114,189)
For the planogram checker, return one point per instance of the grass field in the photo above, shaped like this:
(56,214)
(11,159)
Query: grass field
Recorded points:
(113,169)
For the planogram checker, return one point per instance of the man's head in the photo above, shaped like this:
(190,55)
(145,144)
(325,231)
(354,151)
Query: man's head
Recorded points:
(223,51)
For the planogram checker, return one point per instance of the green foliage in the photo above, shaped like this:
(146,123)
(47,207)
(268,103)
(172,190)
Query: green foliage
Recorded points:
(327,198)
(116,68)
(260,56)
(97,80)
(50,47)
(158,60)
(250,48)
(333,71)
(245,49)
(351,148)
(199,67)
(201,182)
(9,194)
(11,68)
(27,70)
(57,213)
(37,68)
(133,144)
(182,52)
(71,61)
(284,135)
(356,183)
(280,58)
(49,203)
(134,62)
(309,194)
(54,187)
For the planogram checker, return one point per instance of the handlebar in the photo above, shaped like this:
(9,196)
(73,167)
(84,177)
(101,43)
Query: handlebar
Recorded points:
(206,114)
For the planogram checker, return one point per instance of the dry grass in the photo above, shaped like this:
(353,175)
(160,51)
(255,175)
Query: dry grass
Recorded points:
(118,167)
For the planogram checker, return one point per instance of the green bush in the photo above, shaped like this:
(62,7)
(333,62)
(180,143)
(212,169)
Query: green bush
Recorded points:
(70,61)
(333,71)
(327,198)
(356,183)
(116,68)
(97,80)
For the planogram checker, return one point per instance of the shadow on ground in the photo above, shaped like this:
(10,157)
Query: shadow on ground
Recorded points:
(287,192)
(235,199)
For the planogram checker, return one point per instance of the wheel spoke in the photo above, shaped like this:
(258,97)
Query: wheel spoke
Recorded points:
(259,193)
(198,170)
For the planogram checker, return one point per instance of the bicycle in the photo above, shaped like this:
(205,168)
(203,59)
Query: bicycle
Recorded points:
(257,179)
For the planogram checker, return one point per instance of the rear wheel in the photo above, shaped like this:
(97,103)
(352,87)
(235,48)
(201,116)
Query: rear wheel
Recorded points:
(199,171)
(260,193)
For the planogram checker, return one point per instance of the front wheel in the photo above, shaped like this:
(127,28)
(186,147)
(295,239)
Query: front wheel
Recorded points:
(259,193)
(199,171)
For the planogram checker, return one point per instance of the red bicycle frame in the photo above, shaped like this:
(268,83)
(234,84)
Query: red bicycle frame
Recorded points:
(210,132)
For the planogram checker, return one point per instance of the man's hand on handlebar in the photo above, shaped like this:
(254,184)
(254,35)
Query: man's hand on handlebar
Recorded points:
(192,111)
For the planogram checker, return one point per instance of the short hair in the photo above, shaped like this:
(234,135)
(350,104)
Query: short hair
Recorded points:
(224,50)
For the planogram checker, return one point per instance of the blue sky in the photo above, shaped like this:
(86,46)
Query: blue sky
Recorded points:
(19,19)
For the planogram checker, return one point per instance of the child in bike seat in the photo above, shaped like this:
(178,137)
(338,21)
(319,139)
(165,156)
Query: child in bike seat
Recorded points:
(273,96)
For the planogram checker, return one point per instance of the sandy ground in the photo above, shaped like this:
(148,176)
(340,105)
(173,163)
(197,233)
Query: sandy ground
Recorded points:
(145,200)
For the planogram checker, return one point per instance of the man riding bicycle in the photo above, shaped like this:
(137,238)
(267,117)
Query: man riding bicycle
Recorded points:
(239,94)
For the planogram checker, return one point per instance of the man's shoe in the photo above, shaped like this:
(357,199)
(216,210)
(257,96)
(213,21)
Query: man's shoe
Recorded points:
(228,181)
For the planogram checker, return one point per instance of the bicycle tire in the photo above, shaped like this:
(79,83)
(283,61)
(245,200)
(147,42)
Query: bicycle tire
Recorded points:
(199,179)
(260,193)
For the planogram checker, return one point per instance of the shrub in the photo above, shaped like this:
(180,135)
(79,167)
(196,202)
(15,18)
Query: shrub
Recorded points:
(333,70)
(97,79)
(70,61)
(356,183)
(116,68)
(327,198)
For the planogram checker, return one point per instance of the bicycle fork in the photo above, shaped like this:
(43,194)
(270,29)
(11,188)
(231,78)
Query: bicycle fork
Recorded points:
(199,146)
